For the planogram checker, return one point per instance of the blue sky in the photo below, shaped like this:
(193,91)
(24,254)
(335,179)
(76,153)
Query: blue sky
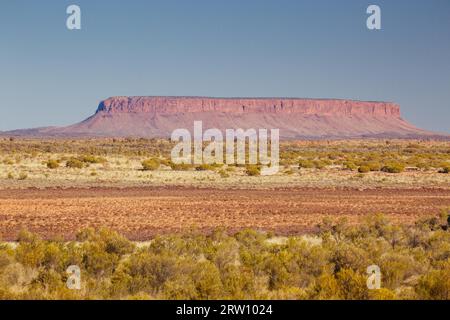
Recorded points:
(315,49)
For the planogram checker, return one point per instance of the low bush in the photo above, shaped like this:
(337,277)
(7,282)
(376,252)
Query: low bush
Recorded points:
(289,172)
(151,164)
(8,162)
(165,162)
(373,166)
(363,169)
(253,170)
(394,167)
(224,174)
(92,159)
(74,163)
(205,167)
(319,164)
(350,165)
(52,164)
(181,166)
(23,176)
(307,164)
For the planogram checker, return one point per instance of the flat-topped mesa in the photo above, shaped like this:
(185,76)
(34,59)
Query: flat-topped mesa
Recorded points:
(158,117)
(174,105)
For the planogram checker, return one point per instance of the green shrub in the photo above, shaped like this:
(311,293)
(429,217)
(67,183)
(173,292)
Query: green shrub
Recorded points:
(352,285)
(393,168)
(204,167)
(165,162)
(151,164)
(307,164)
(180,166)
(423,165)
(102,250)
(92,159)
(319,164)
(206,278)
(435,285)
(326,162)
(289,172)
(23,176)
(149,271)
(373,166)
(224,174)
(30,250)
(363,169)
(350,165)
(252,170)
(180,287)
(8,162)
(382,294)
(52,164)
(74,163)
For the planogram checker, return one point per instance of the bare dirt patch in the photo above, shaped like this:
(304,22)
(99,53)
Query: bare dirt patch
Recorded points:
(141,213)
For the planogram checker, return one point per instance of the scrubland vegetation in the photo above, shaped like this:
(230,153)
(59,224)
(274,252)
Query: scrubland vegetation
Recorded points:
(133,162)
(377,155)
(330,264)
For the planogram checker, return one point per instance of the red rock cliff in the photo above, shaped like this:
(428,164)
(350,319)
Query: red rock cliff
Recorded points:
(295,118)
(176,105)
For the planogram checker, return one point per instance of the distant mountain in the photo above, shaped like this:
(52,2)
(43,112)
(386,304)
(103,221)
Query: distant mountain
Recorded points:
(296,118)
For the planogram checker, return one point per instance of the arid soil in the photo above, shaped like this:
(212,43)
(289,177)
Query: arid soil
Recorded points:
(141,213)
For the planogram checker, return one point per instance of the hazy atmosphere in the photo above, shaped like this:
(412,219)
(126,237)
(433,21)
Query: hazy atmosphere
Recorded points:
(319,49)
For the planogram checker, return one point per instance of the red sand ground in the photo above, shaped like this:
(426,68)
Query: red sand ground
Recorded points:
(141,213)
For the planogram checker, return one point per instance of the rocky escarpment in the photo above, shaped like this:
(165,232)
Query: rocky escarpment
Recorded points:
(295,118)
(177,105)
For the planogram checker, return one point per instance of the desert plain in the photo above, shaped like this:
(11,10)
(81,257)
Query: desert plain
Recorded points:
(56,187)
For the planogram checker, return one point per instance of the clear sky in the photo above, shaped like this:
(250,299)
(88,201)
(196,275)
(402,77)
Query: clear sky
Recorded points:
(287,48)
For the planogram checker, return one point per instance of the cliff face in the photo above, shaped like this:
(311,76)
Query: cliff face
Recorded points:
(177,105)
(295,118)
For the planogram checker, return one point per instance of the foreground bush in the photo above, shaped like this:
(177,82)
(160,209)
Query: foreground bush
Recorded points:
(330,264)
